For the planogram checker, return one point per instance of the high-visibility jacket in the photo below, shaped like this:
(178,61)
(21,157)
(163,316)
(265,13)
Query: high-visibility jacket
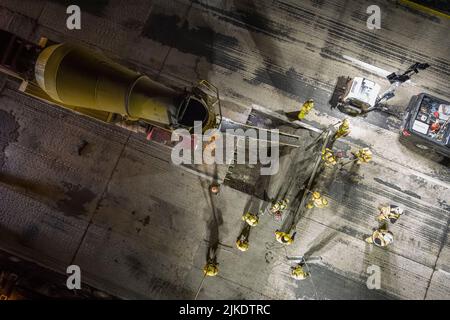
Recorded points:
(283,237)
(306,108)
(251,219)
(211,269)
(242,244)
(343,130)
(317,201)
(363,155)
(298,273)
(279,205)
(389,212)
(328,157)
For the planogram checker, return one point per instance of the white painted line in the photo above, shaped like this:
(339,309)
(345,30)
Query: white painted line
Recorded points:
(381,72)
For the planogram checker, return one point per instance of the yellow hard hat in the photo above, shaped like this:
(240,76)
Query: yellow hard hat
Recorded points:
(316,194)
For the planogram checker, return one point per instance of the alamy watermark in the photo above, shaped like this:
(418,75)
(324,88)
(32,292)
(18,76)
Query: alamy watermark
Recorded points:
(74,278)
(374,279)
(374,20)
(250,146)
(74,19)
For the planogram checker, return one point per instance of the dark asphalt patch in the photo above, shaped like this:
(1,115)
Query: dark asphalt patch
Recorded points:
(245,15)
(76,199)
(200,41)
(9,132)
(393,186)
(29,234)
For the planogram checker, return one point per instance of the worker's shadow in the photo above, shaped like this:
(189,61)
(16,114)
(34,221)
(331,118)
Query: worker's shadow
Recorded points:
(245,232)
(213,225)
(213,216)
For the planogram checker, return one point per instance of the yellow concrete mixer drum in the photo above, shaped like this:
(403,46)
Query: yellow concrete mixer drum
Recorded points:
(75,76)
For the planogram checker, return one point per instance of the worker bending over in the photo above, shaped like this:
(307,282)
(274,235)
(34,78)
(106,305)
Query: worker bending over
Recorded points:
(329,157)
(363,155)
(316,200)
(284,238)
(381,237)
(298,273)
(389,213)
(343,130)
(279,207)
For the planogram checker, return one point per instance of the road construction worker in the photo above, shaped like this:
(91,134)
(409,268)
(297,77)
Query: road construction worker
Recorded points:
(284,238)
(306,108)
(316,200)
(343,130)
(363,155)
(381,237)
(280,205)
(242,243)
(250,218)
(298,272)
(211,269)
(389,213)
(329,158)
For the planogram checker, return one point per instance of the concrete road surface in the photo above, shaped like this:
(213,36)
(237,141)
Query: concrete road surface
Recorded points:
(139,226)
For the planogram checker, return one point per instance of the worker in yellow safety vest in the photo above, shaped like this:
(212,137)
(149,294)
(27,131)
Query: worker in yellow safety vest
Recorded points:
(242,243)
(211,269)
(316,200)
(389,213)
(381,237)
(329,158)
(298,272)
(343,130)
(250,218)
(306,108)
(284,238)
(363,155)
(280,205)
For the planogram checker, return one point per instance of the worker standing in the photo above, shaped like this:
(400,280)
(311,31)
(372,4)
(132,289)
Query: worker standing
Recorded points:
(316,200)
(389,213)
(211,269)
(343,130)
(284,238)
(363,155)
(305,109)
(242,243)
(298,273)
(279,207)
(251,219)
(381,237)
(329,157)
